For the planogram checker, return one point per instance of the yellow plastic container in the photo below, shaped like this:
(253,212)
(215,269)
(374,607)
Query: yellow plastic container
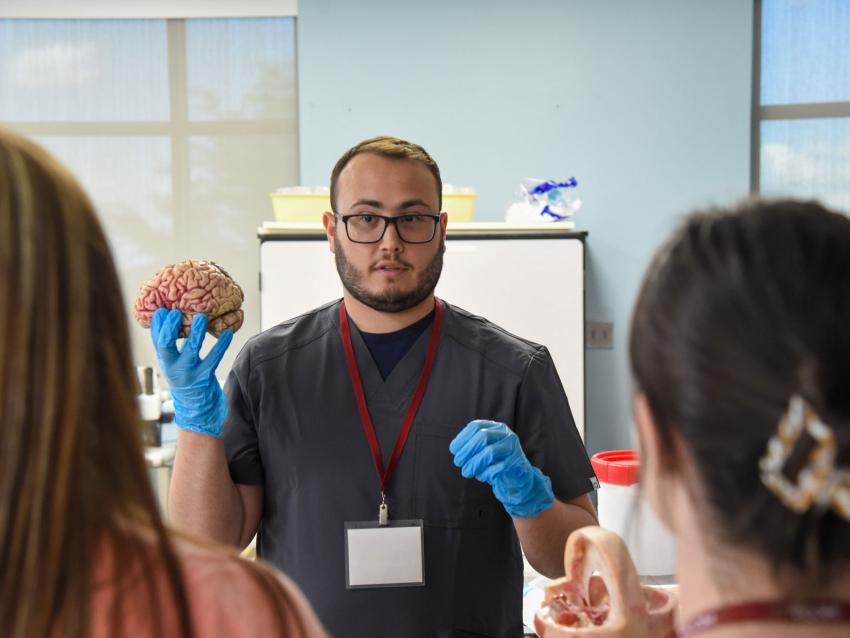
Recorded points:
(300,207)
(459,206)
(309,207)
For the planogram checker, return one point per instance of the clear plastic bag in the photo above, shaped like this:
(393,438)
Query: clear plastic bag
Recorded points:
(545,201)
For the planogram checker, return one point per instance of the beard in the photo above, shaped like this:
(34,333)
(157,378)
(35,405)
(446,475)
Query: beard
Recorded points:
(391,300)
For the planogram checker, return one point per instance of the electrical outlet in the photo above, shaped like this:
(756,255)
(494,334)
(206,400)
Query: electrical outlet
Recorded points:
(599,335)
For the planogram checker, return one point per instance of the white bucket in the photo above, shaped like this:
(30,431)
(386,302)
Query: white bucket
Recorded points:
(622,510)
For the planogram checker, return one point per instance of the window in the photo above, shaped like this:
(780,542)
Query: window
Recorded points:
(802,100)
(178,129)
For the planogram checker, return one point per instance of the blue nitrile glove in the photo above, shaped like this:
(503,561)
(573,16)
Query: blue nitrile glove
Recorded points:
(490,452)
(199,403)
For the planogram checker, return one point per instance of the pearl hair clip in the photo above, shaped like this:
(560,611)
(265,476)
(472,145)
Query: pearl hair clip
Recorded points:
(799,464)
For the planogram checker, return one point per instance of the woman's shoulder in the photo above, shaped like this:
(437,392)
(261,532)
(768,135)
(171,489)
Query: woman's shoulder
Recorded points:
(232,596)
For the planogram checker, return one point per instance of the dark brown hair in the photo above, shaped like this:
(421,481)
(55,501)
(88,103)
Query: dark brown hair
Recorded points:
(72,473)
(393,148)
(739,310)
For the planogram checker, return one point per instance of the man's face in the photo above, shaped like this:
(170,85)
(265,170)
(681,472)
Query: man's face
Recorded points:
(389,275)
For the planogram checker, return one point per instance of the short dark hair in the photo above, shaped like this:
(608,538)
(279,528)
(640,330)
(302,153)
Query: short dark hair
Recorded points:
(393,148)
(741,309)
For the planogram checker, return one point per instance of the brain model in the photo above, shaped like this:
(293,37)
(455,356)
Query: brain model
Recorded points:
(192,286)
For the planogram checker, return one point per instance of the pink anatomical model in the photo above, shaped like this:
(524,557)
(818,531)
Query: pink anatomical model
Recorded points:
(608,604)
(192,286)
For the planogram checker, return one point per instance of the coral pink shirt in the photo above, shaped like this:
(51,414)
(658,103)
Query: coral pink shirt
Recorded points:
(224,600)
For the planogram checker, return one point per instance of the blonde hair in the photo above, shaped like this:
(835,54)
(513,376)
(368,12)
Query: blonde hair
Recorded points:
(72,473)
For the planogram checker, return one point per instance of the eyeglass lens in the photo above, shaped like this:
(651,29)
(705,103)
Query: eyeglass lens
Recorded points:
(413,229)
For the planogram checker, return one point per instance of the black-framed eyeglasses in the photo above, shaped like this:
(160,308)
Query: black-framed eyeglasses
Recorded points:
(368,228)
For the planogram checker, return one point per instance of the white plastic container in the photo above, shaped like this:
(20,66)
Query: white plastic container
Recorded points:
(622,510)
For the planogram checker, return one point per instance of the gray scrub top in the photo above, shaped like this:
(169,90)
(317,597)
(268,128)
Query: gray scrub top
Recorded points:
(293,427)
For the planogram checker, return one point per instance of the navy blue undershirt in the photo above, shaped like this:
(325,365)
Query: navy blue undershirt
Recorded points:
(388,348)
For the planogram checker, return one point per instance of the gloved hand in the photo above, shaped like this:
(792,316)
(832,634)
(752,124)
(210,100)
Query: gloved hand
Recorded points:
(490,452)
(199,403)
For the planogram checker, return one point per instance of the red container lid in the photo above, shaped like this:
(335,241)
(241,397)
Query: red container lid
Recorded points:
(617,467)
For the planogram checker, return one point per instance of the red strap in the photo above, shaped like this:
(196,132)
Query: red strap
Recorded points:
(413,408)
(815,612)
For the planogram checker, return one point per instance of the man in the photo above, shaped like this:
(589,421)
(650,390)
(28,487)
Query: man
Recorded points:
(359,420)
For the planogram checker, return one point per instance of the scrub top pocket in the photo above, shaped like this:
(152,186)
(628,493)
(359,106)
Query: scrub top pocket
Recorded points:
(443,497)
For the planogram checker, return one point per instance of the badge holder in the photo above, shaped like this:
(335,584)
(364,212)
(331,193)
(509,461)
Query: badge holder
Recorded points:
(384,553)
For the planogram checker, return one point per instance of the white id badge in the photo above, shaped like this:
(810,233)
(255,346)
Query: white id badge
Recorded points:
(391,555)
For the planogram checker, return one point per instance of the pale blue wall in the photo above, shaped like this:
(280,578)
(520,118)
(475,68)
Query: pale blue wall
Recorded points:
(646,102)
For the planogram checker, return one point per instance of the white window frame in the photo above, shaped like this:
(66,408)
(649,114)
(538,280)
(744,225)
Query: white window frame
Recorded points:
(761,113)
(93,9)
(178,128)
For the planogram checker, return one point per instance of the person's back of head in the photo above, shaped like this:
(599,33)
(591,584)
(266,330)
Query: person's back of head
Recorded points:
(70,466)
(75,495)
(741,325)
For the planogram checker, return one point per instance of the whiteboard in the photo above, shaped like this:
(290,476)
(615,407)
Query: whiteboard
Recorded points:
(532,287)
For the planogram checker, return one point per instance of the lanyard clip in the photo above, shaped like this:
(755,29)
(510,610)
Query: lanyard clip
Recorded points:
(383,513)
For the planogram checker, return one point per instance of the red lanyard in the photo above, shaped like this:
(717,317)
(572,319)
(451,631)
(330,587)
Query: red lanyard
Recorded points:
(816,612)
(413,408)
